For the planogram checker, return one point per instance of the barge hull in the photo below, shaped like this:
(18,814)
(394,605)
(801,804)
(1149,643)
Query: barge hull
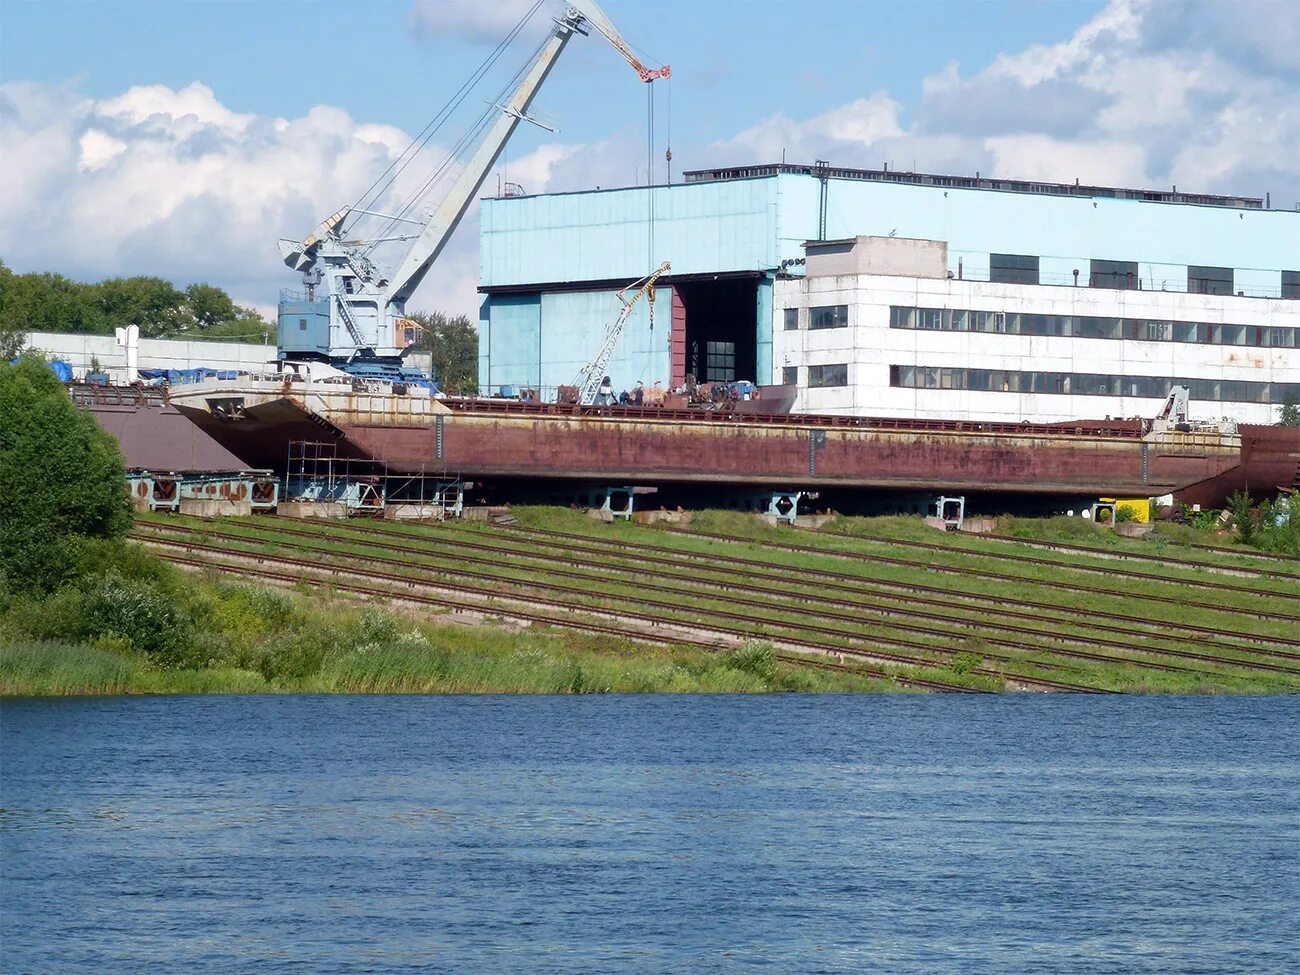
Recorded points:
(486,440)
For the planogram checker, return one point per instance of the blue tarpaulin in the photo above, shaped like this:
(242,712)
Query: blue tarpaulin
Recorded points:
(174,377)
(61,369)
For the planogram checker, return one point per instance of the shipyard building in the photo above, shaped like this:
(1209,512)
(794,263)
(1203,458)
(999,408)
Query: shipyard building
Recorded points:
(902,294)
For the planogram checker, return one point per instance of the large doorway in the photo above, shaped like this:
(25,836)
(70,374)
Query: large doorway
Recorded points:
(721,319)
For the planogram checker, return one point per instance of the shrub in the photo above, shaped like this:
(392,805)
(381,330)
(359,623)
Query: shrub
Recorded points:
(1244,515)
(754,658)
(147,617)
(61,476)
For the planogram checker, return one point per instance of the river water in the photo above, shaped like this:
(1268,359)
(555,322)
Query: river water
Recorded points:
(791,833)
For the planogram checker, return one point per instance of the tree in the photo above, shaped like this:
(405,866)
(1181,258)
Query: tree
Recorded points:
(208,305)
(453,344)
(46,303)
(53,303)
(62,478)
(1289,412)
(13,336)
(152,303)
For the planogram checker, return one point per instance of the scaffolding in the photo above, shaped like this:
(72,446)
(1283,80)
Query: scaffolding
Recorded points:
(315,473)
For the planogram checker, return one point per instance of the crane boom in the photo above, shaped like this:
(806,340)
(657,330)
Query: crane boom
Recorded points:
(596,17)
(588,381)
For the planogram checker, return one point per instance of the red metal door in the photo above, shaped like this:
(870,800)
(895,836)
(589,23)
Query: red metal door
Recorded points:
(677,342)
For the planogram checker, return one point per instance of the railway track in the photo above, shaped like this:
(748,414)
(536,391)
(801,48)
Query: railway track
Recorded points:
(939,597)
(984,574)
(974,627)
(1073,567)
(568,622)
(1243,571)
(728,624)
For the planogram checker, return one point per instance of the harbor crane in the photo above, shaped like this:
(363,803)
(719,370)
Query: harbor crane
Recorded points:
(352,313)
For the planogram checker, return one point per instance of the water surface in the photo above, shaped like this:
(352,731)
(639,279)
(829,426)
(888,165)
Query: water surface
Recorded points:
(785,833)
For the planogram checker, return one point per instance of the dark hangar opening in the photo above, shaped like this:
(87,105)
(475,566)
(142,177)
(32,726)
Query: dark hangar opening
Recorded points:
(720,328)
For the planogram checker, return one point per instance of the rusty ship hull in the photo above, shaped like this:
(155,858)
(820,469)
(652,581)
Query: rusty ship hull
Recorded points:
(485,440)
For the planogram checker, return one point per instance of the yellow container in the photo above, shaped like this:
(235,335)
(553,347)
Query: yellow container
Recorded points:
(1138,509)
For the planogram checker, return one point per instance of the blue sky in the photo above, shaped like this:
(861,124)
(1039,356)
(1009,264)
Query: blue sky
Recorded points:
(734,62)
(182,138)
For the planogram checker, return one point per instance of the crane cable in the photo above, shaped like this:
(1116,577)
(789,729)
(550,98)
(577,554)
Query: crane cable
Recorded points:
(408,155)
(668,137)
(471,136)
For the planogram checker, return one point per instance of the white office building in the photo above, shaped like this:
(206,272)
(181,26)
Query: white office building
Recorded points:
(883,327)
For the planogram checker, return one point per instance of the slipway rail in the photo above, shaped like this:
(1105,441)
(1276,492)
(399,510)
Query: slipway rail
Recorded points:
(729,624)
(851,613)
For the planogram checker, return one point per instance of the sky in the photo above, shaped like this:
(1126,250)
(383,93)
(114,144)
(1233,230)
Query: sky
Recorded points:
(182,138)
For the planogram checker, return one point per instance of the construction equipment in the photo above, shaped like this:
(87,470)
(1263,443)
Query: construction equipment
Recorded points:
(590,376)
(352,312)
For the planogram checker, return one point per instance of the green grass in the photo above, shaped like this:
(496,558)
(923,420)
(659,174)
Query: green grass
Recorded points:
(247,638)
(325,643)
(610,583)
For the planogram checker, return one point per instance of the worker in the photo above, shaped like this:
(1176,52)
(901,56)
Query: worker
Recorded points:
(605,394)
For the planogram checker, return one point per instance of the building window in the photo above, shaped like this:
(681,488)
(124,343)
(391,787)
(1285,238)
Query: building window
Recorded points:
(1291,284)
(791,319)
(1087,384)
(720,360)
(837,375)
(1203,280)
(1094,327)
(828,316)
(1013,268)
(302,324)
(1116,275)
(790,376)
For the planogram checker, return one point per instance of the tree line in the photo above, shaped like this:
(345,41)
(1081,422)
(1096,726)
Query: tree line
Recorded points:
(47,302)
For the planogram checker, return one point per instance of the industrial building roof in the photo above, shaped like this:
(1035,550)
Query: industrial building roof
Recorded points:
(973,183)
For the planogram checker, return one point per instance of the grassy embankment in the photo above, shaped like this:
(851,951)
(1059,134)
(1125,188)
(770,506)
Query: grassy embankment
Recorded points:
(215,634)
(244,638)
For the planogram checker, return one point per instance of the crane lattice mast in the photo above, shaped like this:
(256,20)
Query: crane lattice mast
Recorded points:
(589,378)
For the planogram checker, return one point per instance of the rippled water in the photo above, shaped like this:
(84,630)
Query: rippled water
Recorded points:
(788,833)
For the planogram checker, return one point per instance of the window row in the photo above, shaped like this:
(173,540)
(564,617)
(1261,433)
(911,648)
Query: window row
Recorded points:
(1093,327)
(818,376)
(1123,275)
(824,316)
(1087,384)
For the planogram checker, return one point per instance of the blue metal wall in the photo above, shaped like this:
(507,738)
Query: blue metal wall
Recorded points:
(514,342)
(603,235)
(544,339)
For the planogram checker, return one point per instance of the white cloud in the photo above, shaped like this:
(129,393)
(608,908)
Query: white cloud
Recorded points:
(486,21)
(98,149)
(844,131)
(1149,92)
(174,183)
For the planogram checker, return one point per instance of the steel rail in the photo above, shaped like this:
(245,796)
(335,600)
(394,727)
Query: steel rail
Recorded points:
(977,573)
(1055,564)
(980,627)
(883,587)
(880,655)
(896,591)
(568,622)
(1244,571)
